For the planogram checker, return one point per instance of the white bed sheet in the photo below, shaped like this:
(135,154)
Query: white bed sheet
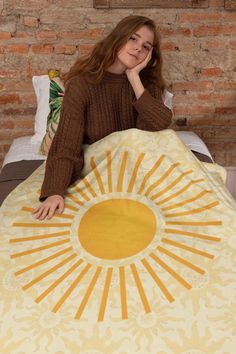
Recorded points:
(25,149)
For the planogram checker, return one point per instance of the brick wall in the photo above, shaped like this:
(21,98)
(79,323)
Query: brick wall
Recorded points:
(199,49)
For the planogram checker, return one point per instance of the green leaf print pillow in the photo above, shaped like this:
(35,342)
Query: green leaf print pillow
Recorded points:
(56,94)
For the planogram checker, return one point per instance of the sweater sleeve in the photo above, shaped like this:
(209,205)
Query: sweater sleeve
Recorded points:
(65,157)
(153,115)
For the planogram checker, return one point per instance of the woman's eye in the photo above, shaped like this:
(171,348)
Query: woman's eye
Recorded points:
(133,38)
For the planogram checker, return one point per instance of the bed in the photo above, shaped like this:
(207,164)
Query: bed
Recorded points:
(142,260)
(23,159)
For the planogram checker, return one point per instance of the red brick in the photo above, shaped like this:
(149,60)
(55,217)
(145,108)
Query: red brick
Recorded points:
(87,33)
(197,17)
(212,121)
(193,110)
(85,49)
(194,86)
(233,44)
(6,134)
(168,46)
(4,148)
(24,123)
(225,85)
(230,16)
(214,30)
(42,48)
(9,73)
(28,98)
(25,35)
(216,97)
(17,48)
(5,35)
(209,72)
(46,34)
(19,111)
(30,21)
(214,44)
(9,98)
(6,123)
(17,86)
(65,49)
(216,3)
(181,31)
(226,110)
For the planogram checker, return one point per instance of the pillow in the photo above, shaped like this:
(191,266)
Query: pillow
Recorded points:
(41,87)
(56,94)
(167,99)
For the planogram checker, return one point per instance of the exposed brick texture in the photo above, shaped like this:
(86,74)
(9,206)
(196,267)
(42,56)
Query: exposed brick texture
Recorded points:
(199,51)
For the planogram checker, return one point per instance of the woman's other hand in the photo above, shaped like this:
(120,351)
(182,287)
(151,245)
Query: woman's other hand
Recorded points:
(47,208)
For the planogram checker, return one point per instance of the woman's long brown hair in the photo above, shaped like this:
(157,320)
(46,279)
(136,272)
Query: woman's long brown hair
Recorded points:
(105,52)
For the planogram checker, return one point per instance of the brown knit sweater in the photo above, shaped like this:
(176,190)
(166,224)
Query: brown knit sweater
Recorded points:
(89,113)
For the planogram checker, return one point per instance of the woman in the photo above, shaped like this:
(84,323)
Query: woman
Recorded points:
(117,87)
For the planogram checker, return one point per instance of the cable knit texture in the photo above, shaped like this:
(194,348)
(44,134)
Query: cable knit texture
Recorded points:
(89,113)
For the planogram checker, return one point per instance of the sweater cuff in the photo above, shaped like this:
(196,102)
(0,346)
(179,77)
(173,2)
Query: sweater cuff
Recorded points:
(49,192)
(143,101)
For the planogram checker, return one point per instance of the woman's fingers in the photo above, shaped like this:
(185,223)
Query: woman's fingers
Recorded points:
(51,211)
(44,213)
(48,207)
(61,206)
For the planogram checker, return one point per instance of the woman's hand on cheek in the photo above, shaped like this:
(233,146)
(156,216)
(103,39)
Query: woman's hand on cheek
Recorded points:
(136,69)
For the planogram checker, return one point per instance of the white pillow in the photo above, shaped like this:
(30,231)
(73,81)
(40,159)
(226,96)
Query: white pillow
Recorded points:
(41,86)
(167,98)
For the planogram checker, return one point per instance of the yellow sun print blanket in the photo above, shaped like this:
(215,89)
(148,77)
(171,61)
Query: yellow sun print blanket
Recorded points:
(142,260)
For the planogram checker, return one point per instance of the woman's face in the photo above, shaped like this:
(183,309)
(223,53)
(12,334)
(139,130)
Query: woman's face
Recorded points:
(136,49)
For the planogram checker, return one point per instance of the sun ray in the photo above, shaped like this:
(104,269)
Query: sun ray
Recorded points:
(58,281)
(74,199)
(186,201)
(171,271)
(171,185)
(120,179)
(150,173)
(182,190)
(158,281)
(181,260)
(71,288)
(161,179)
(123,297)
(49,271)
(187,248)
(109,171)
(82,193)
(89,187)
(105,294)
(135,171)
(88,293)
(193,211)
(38,237)
(43,261)
(40,224)
(65,216)
(97,175)
(196,223)
(192,234)
(68,206)
(140,288)
(38,249)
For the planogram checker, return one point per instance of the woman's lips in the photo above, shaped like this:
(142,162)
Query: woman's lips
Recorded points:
(132,55)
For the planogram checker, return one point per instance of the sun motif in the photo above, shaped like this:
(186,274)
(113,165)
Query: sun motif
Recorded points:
(135,226)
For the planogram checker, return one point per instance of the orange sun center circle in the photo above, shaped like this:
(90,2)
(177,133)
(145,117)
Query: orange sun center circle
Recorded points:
(117,228)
